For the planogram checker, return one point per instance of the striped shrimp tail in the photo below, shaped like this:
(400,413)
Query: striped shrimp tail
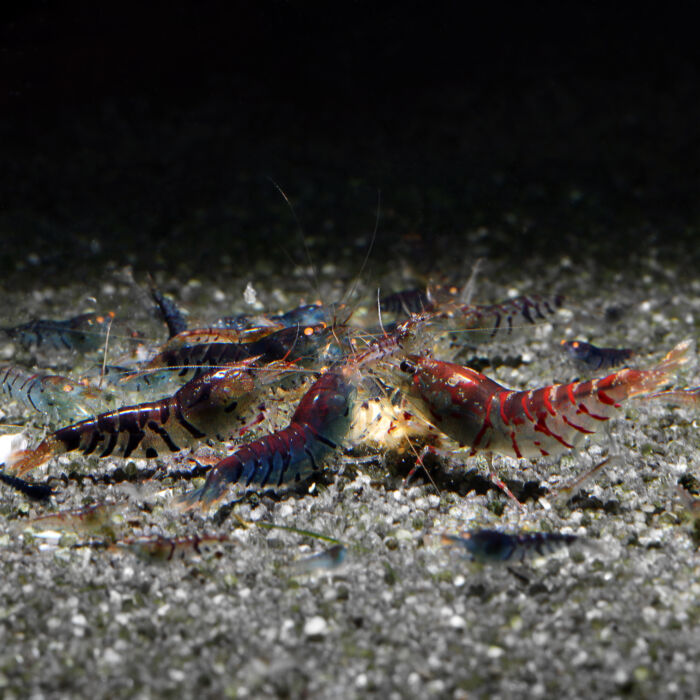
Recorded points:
(276,461)
(23,461)
(646,381)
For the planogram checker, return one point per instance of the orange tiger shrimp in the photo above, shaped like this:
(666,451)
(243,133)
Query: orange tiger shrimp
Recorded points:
(205,406)
(482,414)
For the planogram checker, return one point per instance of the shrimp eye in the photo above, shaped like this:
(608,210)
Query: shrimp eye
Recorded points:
(407,367)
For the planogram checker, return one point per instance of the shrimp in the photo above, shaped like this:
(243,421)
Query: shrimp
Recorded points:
(162,549)
(480,413)
(408,301)
(288,343)
(52,394)
(326,560)
(292,454)
(594,358)
(39,492)
(489,320)
(204,406)
(81,333)
(494,546)
(94,519)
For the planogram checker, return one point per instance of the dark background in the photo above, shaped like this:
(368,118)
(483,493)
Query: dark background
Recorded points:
(151,135)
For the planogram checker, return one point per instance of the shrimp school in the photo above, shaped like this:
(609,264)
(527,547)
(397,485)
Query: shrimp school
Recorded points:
(240,406)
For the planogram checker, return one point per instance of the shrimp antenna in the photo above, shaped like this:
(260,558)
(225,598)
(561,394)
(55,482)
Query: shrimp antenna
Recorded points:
(358,277)
(104,354)
(379,311)
(307,252)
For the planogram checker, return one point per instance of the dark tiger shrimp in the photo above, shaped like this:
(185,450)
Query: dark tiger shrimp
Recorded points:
(479,413)
(81,333)
(289,343)
(292,454)
(494,546)
(595,358)
(206,406)
(58,397)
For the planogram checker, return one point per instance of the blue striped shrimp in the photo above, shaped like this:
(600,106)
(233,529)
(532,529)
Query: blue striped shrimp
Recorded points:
(54,395)
(595,358)
(494,546)
(174,318)
(326,560)
(81,333)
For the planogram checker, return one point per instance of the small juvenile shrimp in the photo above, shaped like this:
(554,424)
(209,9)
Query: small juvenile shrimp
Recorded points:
(206,406)
(494,546)
(81,333)
(594,358)
(91,519)
(486,321)
(326,560)
(38,492)
(292,454)
(52,394)
(161,549)
(480,413)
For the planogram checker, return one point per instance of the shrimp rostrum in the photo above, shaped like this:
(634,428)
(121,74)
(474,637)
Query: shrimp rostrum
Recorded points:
(482,414)
(208,406)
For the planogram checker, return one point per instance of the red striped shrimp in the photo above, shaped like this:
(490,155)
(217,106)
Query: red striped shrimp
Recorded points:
(290,455)
(479,413)
(209,405)
(58,397)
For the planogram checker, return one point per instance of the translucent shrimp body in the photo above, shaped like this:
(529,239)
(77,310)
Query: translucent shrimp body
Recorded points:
(58,397)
